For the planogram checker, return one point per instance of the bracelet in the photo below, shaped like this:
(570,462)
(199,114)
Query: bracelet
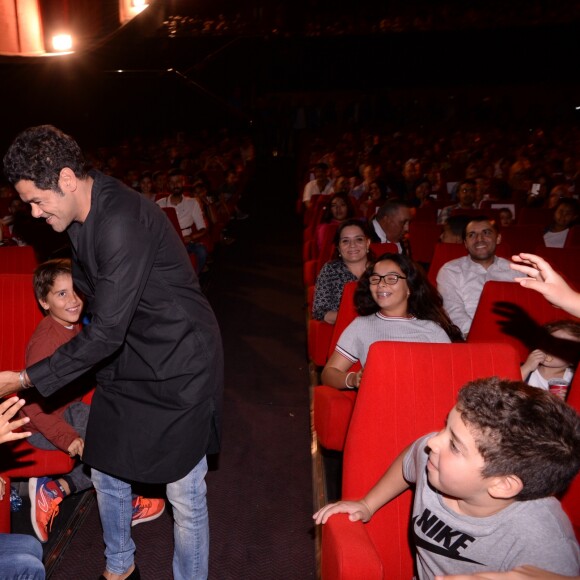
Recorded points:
(346,380)
(23,383)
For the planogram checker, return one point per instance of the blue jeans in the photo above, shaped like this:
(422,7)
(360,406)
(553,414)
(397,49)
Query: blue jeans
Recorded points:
(200,252)
(20,558)
(190,529)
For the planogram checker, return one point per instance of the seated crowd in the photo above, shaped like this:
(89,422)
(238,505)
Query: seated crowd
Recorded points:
(473,195)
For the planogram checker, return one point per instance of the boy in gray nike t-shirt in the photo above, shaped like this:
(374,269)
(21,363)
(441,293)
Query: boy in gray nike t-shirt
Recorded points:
(484,485)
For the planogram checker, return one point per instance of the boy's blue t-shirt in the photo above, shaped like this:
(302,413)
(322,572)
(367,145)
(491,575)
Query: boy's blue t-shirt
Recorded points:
(534,532)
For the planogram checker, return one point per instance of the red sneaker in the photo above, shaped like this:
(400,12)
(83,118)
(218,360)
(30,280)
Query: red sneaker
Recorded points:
(44,502)
(146,509)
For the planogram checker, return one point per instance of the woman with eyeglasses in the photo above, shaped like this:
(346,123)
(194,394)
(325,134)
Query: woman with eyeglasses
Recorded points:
(351,256)
(394,301)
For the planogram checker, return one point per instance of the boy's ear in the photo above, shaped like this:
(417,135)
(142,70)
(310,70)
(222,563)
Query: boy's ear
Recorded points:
(43,304)
(505,486)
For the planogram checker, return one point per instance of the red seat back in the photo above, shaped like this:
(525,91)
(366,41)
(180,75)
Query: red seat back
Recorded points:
(17,260)
(19,316)
(346,314)
(523,237)
(522,309)
(565,260)
(424,236)
(442,254)
(535,215)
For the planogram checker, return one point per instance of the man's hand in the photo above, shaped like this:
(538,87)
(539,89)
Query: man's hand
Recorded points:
(8,409)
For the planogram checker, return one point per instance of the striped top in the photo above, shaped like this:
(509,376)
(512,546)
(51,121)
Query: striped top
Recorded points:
(355,341)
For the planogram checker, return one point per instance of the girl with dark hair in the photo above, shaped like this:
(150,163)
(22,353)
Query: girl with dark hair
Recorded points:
(339,209)
(395,301)
(351,256)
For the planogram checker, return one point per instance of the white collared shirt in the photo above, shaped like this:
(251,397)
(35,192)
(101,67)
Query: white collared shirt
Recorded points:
(460,283)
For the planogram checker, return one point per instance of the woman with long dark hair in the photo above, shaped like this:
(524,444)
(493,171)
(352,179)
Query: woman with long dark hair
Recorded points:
(395,301)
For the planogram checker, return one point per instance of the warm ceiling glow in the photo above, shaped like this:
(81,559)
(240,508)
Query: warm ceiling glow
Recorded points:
(139,5)
(61,42)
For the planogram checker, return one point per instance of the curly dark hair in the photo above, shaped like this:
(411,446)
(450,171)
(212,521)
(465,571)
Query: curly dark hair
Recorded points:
(38,154)
(425,302)
(523,431)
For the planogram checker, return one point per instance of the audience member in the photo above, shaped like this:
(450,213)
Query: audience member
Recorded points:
(394,301)
(391,224)
(320,185)
(190,216)
(363,189)
(338,210)
(466,200)
(557,356)
(506,217)
(146,186)
(453,229)
(371,201)
(566,215)
(492,473)
(461,281)
(351,257)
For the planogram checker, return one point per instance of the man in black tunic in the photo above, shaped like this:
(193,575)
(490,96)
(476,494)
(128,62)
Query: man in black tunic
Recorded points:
(153,340)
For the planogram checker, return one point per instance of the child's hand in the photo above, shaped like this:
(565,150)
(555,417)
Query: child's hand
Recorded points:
(357,510)
(76,447)
(2,488)
(8,409)
(358,378)
(534,360)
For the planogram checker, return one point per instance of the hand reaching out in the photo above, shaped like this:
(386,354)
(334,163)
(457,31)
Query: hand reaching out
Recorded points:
(357,510)
(540,276)
(8,409)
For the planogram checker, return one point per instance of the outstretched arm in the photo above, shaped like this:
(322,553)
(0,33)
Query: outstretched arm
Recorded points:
(540,276)
(391,484)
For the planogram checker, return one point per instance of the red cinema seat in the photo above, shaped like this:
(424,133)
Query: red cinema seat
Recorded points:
(571,499)
(333,407)
(399,400)
(424,236)
(565,260)
(17,260)
(523,237)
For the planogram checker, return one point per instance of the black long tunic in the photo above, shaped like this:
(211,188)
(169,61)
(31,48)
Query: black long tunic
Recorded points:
(153,340)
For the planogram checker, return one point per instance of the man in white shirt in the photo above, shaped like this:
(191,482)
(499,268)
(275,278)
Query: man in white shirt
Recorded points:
(189,215)
(320,185)
(460,282)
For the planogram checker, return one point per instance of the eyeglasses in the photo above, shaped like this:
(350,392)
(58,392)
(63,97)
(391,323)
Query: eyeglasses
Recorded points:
(390,279)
